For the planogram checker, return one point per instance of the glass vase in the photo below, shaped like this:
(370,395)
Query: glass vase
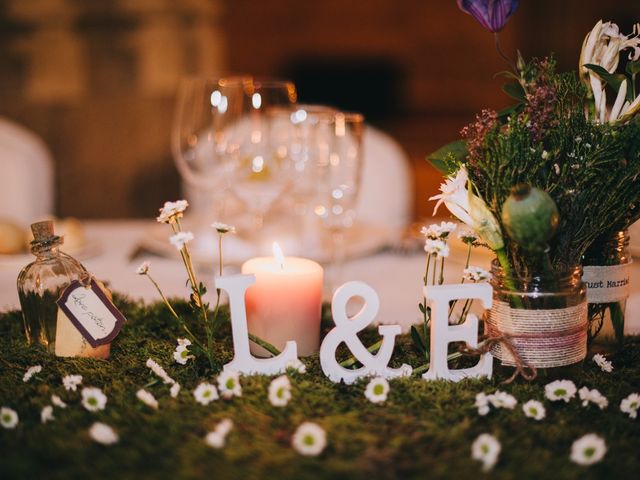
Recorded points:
(541,322)
(607,272)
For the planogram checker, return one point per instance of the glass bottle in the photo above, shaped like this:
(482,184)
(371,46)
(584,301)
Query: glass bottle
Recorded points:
(40,284)
(543,318)
(607,273)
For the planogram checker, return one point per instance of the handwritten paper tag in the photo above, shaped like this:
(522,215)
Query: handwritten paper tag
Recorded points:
(91,312)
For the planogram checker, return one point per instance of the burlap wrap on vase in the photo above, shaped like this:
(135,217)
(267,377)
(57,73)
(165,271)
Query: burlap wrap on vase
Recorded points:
(542,338)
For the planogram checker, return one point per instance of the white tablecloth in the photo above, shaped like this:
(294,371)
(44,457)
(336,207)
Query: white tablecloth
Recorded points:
(396,278)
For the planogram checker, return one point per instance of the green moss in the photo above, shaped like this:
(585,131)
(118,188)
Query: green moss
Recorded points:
(425,429)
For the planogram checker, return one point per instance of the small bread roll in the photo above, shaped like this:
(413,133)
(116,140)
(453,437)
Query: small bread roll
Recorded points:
(12,238)
(72,231)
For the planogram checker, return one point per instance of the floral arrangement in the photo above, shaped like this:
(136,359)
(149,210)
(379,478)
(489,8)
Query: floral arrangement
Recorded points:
(540,181)
(170,214)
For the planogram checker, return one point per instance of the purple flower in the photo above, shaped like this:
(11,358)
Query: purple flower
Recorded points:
(492,14)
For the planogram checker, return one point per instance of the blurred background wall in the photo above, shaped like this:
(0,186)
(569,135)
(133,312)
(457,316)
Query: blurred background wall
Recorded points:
(96,79)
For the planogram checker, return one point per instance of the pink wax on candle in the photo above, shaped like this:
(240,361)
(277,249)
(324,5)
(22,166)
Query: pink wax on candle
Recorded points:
(285,302)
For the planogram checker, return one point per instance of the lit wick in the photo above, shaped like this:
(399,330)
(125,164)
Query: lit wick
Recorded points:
(278,255)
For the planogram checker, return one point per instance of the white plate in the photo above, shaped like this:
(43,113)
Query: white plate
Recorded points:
(89,249)
(360,240)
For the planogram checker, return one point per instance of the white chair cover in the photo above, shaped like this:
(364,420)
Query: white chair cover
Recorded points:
(26,175)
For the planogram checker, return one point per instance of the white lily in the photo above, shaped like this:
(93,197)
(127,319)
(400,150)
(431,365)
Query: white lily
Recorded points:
(602,46)
(469,208)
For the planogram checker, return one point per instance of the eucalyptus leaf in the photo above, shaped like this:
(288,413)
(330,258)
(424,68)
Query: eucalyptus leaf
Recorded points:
(457,149)
(613,80)
(515,91)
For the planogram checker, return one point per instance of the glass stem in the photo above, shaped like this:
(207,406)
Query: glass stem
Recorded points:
(337,257)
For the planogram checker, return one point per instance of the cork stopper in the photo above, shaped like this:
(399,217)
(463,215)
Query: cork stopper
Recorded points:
(43,231)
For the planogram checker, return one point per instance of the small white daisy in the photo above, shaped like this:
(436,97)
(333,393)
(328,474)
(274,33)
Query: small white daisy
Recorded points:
(476,274)
(604,364)
(71,382)
(180,239)
(172,210)
(502,400)
(159,371)
(588,450)
(8,417)
(93,399)
(214,440)
(46,415)
(630,405)
(57,401)
(309,439)
(103,434)
(296,365)
(205,393)
(593,396)
(560,390)
(441,231)
(175,390)
(223,228)
(280,391)
(147,398)
(482,403)
(217,437)
(143,269)
(467,235)
(534,409)
(486,449)
(377,390)
(229,384)
(31,371)
(436,247)
(181,354)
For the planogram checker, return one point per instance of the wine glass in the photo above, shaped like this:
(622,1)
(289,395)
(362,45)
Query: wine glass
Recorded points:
(255,150)
(339,144)
(302,129)
(197,142)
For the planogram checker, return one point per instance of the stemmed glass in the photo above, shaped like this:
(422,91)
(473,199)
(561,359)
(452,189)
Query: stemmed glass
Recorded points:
(255,151)
(303,130)
(198,144)
(339,145)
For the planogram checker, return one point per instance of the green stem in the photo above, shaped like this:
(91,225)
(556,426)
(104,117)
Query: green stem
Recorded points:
(441,279)
(264,344)
(192,337)
(186,259)
(617,320)
(214,320)
(351,361)
(466,265)
(501,254)
(502,54)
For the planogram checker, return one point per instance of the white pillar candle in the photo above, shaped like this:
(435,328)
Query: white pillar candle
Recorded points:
(285,302)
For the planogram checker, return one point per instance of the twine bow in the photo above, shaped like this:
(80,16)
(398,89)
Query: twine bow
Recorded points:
(523,369)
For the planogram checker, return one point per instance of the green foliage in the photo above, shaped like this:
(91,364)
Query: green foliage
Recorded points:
(424,430)
(590,170)
(446,158)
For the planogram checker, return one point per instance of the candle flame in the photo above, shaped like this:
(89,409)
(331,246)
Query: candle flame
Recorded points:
(278,255)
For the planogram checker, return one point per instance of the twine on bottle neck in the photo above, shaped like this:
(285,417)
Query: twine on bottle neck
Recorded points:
(522,368)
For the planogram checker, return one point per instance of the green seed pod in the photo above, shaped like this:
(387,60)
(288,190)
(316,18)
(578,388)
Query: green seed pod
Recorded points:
(530,217)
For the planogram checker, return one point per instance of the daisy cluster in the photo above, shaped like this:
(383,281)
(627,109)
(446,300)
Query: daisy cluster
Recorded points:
(586,450)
